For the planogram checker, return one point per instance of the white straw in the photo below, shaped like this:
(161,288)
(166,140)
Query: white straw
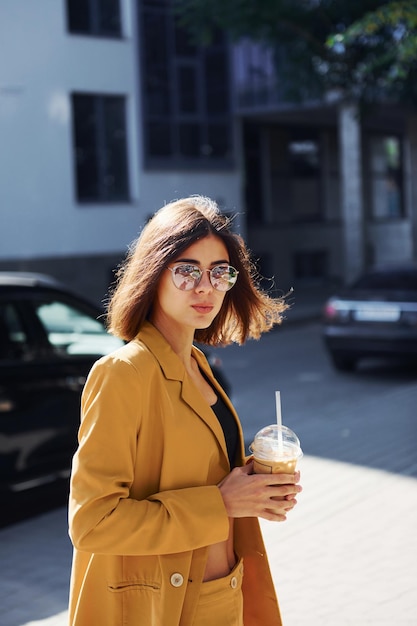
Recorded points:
(279,419)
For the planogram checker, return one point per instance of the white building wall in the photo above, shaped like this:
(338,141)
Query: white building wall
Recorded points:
(159,188)
(40,65)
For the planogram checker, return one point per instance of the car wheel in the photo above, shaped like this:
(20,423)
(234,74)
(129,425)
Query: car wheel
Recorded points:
(343,363)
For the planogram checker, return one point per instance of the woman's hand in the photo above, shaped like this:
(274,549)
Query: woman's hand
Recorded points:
(270,496)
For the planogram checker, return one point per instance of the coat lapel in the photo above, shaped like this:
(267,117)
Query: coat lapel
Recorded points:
(173,369)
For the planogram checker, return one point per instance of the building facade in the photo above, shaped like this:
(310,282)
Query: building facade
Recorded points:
(330,189)
(105,116)
(108,111)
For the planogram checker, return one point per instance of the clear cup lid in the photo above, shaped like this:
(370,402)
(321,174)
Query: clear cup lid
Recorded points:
(274,441)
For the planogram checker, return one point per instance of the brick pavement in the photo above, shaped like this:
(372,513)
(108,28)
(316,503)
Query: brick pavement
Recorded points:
(347,556)
(35,557)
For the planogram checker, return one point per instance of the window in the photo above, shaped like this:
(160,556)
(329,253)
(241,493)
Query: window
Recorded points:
(385,162)
(311,265)
(304,161)
(14,343)
(185,90)
(94,17)
(100,148)
(72,332)
(295,175)
(304,158)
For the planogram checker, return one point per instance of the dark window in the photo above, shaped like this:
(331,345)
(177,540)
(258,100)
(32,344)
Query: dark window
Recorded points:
(14,343)
(386,176)
(94,17)
(310,264)
(187,82)
(254,188)
(265,269)
(304,158)
(295,174)
(186,93)
(190,140)
(100,148)
(159,139)
(216,75)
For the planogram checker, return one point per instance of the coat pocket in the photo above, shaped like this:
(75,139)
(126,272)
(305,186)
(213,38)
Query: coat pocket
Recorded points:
(134,585)
(136,573)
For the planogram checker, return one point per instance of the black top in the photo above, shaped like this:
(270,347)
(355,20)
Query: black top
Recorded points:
(228,424)
(230,429)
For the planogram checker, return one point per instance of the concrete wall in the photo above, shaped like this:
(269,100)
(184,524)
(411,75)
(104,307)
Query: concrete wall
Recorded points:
(390,242)
(278,245)
(40,65)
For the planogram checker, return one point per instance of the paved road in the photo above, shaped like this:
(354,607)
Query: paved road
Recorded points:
(347,555)
(325,407)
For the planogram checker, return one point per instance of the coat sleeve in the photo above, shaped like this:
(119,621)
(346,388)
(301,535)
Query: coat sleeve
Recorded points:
(103,517)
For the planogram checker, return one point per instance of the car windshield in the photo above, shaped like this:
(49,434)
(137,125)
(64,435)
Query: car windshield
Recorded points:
(72,331)
(388,281)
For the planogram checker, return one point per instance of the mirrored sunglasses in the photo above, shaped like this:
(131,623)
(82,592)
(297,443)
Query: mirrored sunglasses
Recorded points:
(186,276)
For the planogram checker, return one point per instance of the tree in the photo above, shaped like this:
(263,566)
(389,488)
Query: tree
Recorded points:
(366,48)
(388,36)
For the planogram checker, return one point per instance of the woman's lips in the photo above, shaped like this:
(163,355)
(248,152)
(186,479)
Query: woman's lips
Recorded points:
(203,308)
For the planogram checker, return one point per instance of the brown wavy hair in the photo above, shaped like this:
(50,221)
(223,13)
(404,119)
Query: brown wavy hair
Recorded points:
(247,310)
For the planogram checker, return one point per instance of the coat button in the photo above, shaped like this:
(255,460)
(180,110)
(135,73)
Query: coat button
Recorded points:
(233,582)
(177,579)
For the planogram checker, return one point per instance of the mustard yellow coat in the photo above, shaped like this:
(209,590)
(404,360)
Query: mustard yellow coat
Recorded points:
(144,504)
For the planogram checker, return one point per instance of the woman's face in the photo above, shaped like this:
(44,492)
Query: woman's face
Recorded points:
(175,308)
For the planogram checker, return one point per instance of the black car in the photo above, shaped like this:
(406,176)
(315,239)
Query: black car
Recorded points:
(49,339)
(375,317)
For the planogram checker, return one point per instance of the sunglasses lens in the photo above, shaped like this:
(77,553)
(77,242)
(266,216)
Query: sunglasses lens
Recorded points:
(223,277)
(186,277)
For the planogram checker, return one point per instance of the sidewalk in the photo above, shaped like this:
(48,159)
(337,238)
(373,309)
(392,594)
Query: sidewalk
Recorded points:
(35,559)
(345,561)
(350,560)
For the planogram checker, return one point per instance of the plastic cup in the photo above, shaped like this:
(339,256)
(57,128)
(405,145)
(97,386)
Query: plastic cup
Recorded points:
(276,450)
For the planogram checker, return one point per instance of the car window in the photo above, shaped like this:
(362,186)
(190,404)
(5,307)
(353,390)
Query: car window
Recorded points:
(390,281)
(14,343)
(73,332)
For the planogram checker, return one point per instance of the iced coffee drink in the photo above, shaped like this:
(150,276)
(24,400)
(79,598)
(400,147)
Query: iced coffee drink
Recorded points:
(276,450)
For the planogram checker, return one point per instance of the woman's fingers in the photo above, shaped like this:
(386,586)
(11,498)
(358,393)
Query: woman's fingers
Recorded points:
(270,496)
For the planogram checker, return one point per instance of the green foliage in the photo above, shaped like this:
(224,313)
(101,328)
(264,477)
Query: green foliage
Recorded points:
(388,39)
(367,48)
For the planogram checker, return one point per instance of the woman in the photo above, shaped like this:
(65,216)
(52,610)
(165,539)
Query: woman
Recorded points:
(163,506)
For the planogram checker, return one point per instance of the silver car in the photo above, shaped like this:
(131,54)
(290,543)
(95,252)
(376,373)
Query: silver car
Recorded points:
(375,317)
